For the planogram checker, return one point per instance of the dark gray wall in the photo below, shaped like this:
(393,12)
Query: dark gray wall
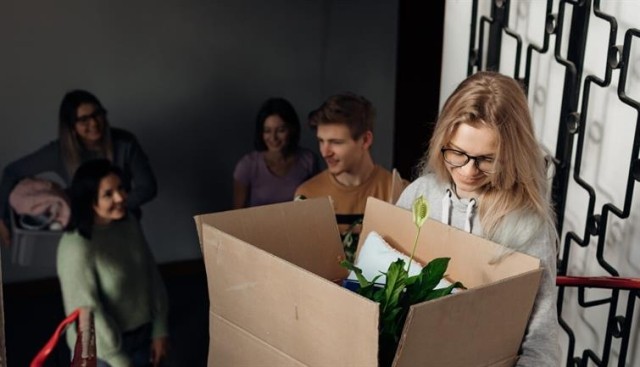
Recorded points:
(187,78)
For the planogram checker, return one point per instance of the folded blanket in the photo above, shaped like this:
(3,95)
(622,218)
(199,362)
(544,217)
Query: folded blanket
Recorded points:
(42,204)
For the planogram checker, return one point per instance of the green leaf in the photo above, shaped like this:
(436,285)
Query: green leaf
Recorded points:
(350,266)
(412,279)
(437,293)
(370,289)
(392,307)
(378,295)
(390,323)
(396,277)
(401,290)
(427,280)
(357,271)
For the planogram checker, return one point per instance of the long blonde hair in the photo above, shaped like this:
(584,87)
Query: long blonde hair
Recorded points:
(519,184)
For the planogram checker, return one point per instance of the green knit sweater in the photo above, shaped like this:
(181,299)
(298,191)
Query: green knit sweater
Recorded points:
(115,274)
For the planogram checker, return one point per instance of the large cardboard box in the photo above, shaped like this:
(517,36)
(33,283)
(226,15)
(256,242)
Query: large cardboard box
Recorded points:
(271,273)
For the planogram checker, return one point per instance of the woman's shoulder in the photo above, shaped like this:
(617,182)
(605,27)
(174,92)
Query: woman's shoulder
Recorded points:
(125,144)
(122,136)
(72,244)
(128,228)
(46,152)
(427,185)
(53,145)
(247,167)
(525,220)
(529,232)
(124,139)
(250,158)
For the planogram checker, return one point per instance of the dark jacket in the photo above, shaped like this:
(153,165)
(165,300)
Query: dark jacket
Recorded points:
(139,179)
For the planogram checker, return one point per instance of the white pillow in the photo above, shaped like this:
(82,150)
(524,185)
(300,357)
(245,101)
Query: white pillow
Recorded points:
(375,257)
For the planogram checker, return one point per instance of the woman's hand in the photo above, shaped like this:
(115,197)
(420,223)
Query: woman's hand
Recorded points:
(159,349)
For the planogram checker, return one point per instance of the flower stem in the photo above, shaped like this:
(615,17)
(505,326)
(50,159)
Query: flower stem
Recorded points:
(415,244)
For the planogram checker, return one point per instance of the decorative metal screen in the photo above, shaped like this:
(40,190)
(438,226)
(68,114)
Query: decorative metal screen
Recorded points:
(579,62)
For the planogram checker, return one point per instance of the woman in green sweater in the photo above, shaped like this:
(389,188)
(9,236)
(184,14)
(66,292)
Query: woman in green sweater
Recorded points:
(104,263)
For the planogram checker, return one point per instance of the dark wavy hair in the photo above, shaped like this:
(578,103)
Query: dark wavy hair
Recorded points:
(84,193)
(283,108)
(70,145)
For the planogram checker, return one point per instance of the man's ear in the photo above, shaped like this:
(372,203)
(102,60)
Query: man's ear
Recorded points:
(367,139)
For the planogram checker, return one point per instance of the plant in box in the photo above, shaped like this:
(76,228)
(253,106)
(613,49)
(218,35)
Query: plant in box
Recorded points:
(402,290)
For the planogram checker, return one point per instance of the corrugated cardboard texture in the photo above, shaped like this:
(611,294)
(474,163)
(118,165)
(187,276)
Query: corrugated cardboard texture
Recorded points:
(270,307)
(443,327)
(302,232)
(238,345)
(396,225)
(291,309)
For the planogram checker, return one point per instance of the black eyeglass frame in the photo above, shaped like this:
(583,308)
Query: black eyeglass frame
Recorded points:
(476,159)
(98,113)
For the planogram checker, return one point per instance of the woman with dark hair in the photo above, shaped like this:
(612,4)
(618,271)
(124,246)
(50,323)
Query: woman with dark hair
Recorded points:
(83,134)
(104,263)
(484,172)
(272,172)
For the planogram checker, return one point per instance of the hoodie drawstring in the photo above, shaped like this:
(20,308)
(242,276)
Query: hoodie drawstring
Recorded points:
(446,210)
(467,223)
(446,207)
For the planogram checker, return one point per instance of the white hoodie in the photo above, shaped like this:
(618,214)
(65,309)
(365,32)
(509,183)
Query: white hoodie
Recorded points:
(524,232)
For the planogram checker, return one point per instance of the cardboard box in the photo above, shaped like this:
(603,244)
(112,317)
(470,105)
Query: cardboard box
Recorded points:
(273,301)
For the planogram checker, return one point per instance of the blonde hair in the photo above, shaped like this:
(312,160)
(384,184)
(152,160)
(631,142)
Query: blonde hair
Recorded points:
(519,183)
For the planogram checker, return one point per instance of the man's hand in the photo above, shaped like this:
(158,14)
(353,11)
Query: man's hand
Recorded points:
(159,349)
(5,237)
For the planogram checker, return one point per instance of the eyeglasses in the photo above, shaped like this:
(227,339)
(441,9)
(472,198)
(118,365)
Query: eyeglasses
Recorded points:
(97,114)
(457,158)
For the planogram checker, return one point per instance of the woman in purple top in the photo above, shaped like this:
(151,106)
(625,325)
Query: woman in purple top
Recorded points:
(271,173)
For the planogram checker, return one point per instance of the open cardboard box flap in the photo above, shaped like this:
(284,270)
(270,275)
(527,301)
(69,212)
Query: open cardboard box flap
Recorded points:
(444,327)
(472,257)
(303,232)
(270,272)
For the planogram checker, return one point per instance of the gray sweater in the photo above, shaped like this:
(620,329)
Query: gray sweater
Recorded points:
(524,232)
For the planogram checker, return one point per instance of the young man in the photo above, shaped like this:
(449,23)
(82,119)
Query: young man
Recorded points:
(344,127)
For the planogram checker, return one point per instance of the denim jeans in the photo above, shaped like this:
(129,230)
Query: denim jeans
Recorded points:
(137,345)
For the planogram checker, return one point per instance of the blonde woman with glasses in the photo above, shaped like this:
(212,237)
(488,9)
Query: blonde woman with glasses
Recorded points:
(484,173)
